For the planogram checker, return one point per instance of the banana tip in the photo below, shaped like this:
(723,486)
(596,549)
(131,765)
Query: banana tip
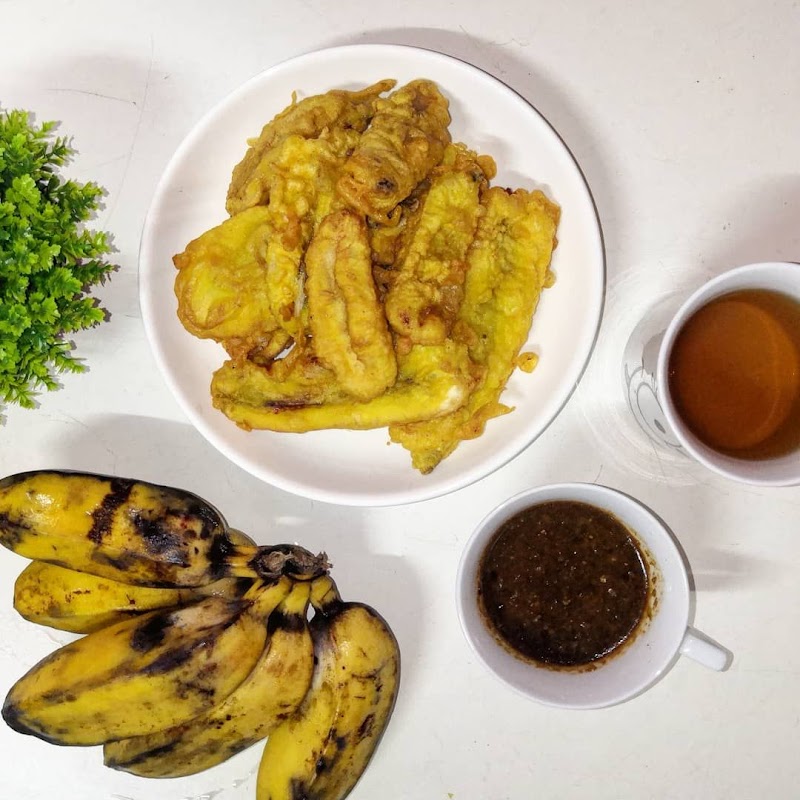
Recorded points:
(13,718)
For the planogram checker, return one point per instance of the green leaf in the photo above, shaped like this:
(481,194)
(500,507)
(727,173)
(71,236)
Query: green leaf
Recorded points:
(49,261)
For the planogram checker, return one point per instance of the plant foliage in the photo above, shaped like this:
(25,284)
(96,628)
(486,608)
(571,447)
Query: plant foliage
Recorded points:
(48,259)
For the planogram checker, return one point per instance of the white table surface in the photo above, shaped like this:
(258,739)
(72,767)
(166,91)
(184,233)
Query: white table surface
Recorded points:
(684,117)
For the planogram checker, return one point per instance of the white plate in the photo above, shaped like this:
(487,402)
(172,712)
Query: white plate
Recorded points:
(359,467)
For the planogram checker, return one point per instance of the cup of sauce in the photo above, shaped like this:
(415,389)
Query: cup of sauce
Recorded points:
(578,596)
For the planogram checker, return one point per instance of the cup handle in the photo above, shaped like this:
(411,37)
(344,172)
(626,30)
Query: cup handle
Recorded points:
(701,648)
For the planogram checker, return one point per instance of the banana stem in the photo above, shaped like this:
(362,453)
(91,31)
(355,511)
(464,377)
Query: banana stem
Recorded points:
(325,597)
(274,561)
(266,596)
(237,562)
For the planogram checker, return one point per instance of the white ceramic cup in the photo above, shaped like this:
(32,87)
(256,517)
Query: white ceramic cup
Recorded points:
(639,664)
(646,364)
(781,277)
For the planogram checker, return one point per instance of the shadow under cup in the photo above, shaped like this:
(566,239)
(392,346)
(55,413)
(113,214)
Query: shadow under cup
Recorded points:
(638,664)
(782,470)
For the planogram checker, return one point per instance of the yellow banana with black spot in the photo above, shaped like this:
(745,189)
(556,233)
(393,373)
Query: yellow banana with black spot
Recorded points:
(128,530)
(80,602)
(144,674)
(322,750)
(134,532)
(271,692)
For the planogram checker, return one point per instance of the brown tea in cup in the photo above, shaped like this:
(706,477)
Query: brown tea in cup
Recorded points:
(734,374)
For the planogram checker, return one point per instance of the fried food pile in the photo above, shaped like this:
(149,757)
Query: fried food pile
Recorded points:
(368,275)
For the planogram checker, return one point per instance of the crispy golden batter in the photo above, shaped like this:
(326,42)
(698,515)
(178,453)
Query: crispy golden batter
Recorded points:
(368,275)
(427,288)
(508,267)
(222,287)
(431,381)
(241,282)
(337,114)
(404,142)
(248,384)
(267,350)
(303,193)
(347,322)
(387,241)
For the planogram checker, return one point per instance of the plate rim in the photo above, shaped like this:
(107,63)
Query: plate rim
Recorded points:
(404,496)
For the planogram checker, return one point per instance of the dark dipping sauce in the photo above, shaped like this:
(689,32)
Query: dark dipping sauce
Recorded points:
(563,583)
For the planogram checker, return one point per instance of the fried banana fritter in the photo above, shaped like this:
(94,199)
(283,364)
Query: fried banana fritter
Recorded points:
(222,287)
(307,382)
(508,266)
(241,282)
(427,288)
(404,142)
(347,322)
(431,381)
(337,114)
(302,195)
(388,241)
(368,276)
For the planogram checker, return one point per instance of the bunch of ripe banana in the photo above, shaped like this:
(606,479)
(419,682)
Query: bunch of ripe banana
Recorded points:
(198,642)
